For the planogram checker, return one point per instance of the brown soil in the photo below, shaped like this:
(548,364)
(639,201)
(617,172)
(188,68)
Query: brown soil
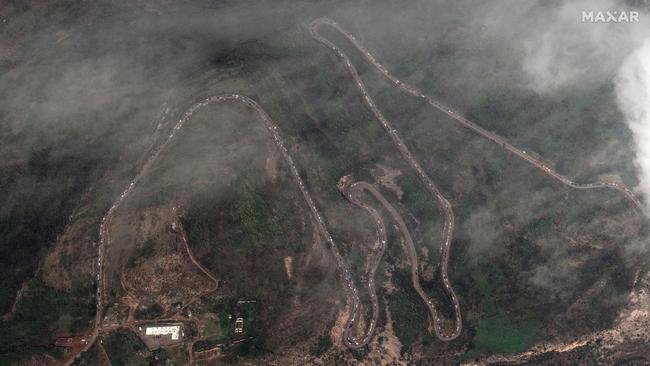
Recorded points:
(336,333)
(388,352)
(72,254)
(166,279)
(387,179)
(271,166)
(288,266)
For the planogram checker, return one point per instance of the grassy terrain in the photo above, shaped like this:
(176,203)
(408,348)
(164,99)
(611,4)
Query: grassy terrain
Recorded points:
(408,318)
(163,357)
(125,349)
(516,230)
(579,120)
(90,357)
(525,248)
(219,330)
(408,314)
(41,313)
(225,327)
(323,344)
(499,335)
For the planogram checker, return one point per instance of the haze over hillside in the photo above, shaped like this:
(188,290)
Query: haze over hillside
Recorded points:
(324,182)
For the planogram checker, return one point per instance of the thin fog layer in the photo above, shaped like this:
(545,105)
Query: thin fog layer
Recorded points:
(633,92)
(564,50)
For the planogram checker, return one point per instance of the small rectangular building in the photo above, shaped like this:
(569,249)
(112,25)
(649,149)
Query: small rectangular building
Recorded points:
(171,330)
(239,325)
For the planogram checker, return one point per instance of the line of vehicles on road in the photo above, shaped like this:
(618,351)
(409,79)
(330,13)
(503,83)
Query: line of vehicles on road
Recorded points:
(350,287)
(444,205)
(458,117)
(442,202)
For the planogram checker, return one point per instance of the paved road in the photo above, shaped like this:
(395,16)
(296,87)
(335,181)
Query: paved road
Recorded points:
(271,126)
(455,115)
(351,289)
(352,193)
(410,249)
(443,204)
(415,278)
(459,118)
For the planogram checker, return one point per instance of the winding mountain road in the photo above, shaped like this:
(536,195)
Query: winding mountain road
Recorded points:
(350,288)
(352,192)
(443,203)
(271,126)
(454,115)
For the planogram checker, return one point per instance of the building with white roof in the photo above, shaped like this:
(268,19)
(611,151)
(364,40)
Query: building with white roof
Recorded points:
(172,330)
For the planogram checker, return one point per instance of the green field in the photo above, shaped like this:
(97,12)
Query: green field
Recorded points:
(408,315)
(408,320)
(43,309)
(125,349)
(499,335)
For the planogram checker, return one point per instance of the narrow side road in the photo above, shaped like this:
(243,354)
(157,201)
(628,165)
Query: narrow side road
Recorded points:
(272,128)
(183,237)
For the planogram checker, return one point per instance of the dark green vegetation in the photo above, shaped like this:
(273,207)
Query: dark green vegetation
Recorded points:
(410,320)
(124,348)
(25,229)
(83,100)
(567,127)
(89,358)
(324,343)
(248,213)
(501,335)
(149,311)
(521,237)
(239,240)
(143,253)
(40,314)
(409,315)
(163,357)
(221,330)
(498,333)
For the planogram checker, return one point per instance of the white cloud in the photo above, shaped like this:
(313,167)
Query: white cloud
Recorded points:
(562,50)
(633,94)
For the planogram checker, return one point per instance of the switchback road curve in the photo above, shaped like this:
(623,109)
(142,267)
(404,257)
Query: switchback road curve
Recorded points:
(454,115)
(271,126)
(352,192)
(410,250)
(443,204)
